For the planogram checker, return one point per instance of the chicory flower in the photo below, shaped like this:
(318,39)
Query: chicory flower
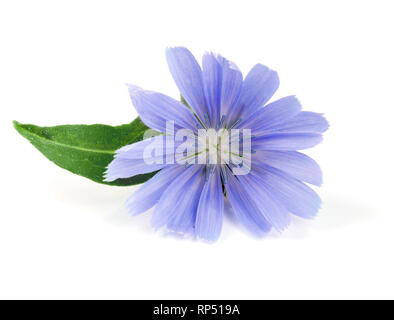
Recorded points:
(262,183)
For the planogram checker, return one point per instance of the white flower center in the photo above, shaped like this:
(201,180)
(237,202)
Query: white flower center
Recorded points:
(214,145)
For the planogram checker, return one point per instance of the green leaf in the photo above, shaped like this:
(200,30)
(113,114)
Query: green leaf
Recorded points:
(85,150)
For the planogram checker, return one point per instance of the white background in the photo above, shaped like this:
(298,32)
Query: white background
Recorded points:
(63,236)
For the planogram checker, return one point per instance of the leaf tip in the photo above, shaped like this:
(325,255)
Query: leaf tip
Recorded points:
(17,125)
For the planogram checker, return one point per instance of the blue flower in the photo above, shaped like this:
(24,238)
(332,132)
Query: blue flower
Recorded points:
(191,198)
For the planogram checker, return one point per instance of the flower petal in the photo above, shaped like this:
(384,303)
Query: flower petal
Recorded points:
(136,150)
(244,208)
(150,192)
(127,168)
(177,208)
(296,196)
(154,149)
(273,114)
(296,164)
(259,86)
(140,157)
(212,78)
(209,218)
(305,121)
(222,84)
(232,81)
(156,108)
(188,77)
(273,211)
(283,141)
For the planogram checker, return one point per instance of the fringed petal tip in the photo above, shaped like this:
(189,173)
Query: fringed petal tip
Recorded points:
(285,141)
(122,168)
(107,176)
(305,121)
(259,86)
(295,164)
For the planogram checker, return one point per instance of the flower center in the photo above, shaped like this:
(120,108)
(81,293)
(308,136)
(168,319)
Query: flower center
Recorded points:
(215,145)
